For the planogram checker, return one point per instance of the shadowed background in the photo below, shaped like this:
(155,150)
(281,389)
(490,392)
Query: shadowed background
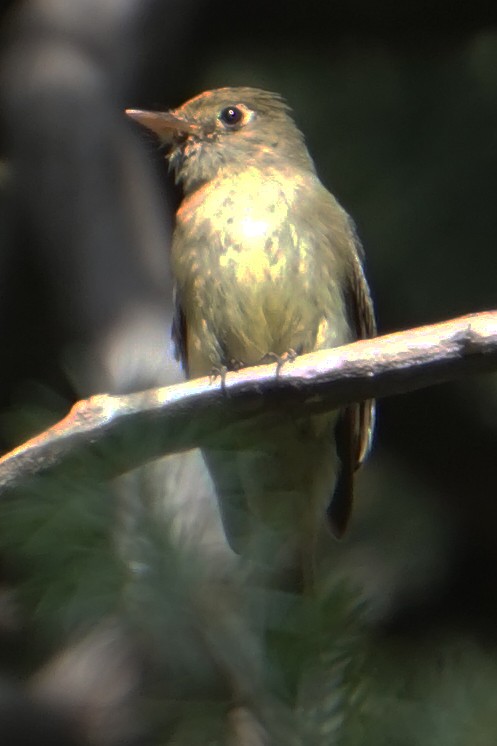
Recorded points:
(398,103)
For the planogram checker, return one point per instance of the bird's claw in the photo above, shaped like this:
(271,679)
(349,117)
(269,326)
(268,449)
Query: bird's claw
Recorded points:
(287,357)
(235,365)
(220,371)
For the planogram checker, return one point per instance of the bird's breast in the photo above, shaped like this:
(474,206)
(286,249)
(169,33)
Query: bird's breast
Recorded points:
(245,272)
(243,224)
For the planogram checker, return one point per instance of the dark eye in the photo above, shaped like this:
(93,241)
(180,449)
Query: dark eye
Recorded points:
(231,116)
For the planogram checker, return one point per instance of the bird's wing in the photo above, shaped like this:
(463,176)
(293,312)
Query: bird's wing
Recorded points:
(355,427)
(361,313)
(179,332)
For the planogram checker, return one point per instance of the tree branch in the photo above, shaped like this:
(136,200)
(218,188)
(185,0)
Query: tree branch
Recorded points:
(105,436)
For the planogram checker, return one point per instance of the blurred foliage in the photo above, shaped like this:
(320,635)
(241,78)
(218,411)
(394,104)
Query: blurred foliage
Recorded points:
(309,670)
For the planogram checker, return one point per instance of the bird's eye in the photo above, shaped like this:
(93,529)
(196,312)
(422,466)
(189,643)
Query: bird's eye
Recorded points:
(231,116)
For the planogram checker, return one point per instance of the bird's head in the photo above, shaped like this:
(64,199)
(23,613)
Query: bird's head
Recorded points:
(227,130)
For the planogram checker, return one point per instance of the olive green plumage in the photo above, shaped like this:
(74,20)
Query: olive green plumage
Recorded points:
(266,261)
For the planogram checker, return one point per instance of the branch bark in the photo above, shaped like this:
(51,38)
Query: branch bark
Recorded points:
(105,436)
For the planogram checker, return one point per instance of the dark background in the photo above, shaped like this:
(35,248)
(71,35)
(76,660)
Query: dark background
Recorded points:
(398,103)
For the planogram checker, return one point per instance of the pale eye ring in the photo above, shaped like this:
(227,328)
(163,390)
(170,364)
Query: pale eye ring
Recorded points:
(231,116)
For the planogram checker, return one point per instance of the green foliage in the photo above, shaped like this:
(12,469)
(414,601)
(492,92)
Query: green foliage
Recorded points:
(210,639)
(221,655)
(57,537)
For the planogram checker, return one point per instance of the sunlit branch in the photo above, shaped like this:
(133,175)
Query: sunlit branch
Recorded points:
(105,436)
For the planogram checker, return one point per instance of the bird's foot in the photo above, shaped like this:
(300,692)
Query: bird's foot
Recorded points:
(288,357)
(219,371)
(235,365)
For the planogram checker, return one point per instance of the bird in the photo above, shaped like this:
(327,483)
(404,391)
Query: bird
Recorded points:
(266,265)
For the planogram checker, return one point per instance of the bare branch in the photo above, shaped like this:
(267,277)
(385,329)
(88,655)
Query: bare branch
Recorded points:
(105,436)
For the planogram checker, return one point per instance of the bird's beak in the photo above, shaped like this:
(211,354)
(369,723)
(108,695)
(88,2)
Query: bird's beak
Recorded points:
(163,124)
